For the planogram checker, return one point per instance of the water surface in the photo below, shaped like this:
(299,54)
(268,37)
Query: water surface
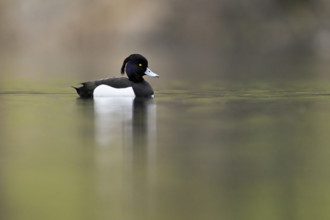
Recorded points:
(216,152)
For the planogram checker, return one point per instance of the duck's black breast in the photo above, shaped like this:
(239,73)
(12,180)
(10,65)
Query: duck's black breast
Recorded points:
(142,89)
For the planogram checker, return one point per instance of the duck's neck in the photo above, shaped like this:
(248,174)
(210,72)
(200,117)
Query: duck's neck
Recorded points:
(136,78)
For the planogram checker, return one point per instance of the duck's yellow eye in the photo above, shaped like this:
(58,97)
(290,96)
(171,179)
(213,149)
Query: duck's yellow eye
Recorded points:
(140,64)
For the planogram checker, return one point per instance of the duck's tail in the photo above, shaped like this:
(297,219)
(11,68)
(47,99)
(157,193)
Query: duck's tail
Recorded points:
(86,90)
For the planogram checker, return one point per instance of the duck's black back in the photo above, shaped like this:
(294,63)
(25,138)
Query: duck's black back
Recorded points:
(141,89)
(87,88)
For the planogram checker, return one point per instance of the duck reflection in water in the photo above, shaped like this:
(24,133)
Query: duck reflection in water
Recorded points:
(127,120)
(125,131)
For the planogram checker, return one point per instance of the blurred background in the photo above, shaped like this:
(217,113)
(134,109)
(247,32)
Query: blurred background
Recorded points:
(238,128)
(213,40)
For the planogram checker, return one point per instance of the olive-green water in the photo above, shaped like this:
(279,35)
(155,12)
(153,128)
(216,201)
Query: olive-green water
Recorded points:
(243,151)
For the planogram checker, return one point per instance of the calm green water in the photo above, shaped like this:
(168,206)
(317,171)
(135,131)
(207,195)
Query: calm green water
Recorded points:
(219,152)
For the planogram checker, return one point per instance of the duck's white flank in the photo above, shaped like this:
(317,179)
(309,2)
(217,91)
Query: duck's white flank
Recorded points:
(108,91)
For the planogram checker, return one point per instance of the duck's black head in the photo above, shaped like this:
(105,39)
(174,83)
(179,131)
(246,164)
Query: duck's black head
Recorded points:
(136,67)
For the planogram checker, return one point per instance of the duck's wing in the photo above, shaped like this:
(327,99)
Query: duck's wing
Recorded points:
(87,88)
